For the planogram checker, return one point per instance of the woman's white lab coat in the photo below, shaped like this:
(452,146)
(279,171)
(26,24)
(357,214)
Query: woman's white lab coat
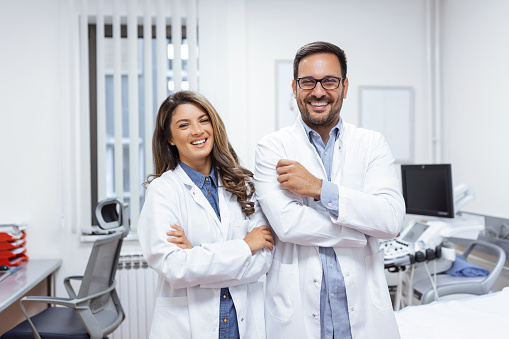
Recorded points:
(370,203)
(188,290)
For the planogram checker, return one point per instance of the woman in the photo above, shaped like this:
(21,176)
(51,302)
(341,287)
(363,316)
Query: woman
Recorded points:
(218,246)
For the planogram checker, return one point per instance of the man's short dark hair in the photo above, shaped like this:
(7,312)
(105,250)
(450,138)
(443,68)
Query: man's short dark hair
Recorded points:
(318,47)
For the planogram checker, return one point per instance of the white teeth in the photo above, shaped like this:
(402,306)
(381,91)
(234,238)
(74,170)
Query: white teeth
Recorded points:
(318,104)
(198,142)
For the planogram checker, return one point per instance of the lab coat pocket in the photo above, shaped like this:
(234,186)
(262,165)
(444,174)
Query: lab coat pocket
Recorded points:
(377,284)
(240,228)
(282,284)
(171,315)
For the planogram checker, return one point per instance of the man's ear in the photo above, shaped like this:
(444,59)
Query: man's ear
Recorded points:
(345,86)
(294,88)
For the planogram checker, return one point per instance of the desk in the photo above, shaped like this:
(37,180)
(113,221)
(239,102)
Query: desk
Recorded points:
(32,273)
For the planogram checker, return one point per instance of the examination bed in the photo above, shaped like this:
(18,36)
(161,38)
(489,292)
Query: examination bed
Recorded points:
(485,316)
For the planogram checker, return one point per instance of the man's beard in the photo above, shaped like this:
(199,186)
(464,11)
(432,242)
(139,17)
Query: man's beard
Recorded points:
(322,120)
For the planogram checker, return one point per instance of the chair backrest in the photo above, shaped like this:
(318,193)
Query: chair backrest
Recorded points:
(104,311)
(102,265)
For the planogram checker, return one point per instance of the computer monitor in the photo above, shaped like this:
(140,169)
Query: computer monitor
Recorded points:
(428,190)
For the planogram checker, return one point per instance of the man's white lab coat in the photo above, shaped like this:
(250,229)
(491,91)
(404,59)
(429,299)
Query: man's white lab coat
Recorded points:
(370,203)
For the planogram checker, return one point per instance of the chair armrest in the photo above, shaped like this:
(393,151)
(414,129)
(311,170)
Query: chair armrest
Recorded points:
(499,265)
(68,286)
(68,302)
(47,300)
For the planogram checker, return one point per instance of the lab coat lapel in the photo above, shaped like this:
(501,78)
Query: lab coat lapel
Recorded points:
(339,157)
(200,199)
(313,162)
(224,198)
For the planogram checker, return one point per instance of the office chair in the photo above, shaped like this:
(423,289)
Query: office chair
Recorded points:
(95,311)
(449,285)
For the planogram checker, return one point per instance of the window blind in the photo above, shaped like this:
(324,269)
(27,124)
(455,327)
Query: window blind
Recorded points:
(133,54)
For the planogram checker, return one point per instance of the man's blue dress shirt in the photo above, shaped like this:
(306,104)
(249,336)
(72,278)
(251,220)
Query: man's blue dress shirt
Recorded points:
(228,326)
(334,319)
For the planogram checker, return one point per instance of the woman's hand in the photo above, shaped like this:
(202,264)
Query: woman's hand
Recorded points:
(178,237)
(259,238)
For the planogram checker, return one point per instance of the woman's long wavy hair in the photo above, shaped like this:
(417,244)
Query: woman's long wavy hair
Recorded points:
(235,178)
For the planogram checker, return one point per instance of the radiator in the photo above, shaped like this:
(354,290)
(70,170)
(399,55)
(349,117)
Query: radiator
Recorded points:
(136,285)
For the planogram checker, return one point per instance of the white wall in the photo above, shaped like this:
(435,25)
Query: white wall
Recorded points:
(31,134)
(385,44)
(475,105)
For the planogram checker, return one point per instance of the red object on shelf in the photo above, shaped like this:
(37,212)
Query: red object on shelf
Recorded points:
(12,244)
(12,252)
(14,261)
(7,245)
(12,232)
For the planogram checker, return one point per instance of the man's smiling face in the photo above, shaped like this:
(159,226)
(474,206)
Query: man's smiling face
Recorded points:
(320,108)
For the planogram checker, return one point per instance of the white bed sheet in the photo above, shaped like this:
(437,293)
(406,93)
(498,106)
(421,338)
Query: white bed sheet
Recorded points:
(478,317)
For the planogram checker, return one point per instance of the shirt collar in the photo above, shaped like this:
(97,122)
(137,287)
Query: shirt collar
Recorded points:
(334,132)
(198,178)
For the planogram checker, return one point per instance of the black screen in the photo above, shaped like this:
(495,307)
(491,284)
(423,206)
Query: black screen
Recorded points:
(427,190)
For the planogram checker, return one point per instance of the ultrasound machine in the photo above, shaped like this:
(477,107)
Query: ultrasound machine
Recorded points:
(432,207)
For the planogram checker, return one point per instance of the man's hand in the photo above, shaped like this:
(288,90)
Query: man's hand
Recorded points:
(294,177)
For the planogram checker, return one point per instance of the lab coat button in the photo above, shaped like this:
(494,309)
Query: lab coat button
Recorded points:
(241,319)
(352,309)
(347,274)
(314,315)
(315,280)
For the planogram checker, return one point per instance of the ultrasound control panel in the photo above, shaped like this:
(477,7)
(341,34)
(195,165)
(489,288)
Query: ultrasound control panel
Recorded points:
(395,249)
(400,249)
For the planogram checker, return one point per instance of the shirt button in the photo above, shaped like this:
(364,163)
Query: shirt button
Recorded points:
(225,320)
(329,204)
(207,179)
(224,296)
(332,295)
(330,265)
(325,153)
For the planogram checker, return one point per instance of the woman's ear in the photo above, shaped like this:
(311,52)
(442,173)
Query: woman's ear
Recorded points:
(171,142)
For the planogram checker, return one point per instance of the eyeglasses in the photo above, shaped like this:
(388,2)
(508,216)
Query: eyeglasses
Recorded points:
(328,83)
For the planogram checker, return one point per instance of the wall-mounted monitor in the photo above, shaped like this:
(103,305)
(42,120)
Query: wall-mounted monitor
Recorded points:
(428,190)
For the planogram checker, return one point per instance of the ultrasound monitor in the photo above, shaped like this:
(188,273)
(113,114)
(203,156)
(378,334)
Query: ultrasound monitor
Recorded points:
(428,190)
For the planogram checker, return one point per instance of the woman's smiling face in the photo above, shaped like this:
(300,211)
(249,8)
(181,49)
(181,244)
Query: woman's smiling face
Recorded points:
(193,135)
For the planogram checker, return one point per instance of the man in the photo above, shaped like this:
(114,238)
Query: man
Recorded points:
(329,191)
